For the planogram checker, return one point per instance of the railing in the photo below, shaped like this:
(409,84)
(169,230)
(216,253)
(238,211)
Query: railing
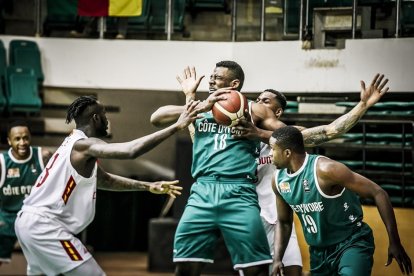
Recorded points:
(304,18)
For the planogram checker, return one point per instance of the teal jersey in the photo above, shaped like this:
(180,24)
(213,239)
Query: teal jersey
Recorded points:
(17,178)
(217,153)
(326,220)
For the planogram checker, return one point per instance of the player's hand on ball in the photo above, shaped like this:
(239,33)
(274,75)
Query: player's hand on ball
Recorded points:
(166,187)
(189,115)
(218,95)
(245,128)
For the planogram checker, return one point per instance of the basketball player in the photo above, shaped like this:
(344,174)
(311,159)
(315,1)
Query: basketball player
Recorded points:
(62,202)
(19,168)
(315,136)
(322,192)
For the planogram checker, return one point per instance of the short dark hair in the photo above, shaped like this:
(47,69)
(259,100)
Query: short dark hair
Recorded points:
(235,69)
(281,99)
(17,123)
(77,108)
(289,137)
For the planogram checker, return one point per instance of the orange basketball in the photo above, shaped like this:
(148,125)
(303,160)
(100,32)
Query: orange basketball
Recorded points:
(227,111)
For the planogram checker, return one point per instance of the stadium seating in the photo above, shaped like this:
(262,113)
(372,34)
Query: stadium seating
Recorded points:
(157,15)
(140,23)
(25,53)
(3,100)
(22,90)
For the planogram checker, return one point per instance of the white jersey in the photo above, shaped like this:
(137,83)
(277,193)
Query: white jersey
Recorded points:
(61,194)
(267,198)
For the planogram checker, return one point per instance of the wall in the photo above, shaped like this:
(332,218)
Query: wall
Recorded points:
(153,65)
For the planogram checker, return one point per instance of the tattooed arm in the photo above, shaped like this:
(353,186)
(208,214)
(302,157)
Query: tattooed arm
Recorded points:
(369,96)
(111,182)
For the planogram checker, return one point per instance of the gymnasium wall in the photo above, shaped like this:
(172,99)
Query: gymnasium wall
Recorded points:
(153,65)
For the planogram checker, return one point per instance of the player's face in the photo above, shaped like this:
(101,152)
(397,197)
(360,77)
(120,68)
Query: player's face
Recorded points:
(102,122)
(277,154)
(220,78)
(268,99)
(19,140)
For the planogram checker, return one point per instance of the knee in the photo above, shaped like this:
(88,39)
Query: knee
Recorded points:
(188,269)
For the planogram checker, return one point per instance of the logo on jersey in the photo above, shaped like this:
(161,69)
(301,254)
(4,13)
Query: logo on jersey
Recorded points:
(346,206)
(306,187)
(284,187)
(13,173)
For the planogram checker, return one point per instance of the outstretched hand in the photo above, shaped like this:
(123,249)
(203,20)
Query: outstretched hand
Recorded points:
(189,81)
(398,253)
(372,94)
(166,187)
(189,115)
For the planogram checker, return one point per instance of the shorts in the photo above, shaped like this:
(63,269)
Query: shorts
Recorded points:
(48,247)
(353,256)
(292,254)
(225,205)
(7,235)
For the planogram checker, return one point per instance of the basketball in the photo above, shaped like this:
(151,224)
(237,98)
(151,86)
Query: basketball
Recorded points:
(226,112)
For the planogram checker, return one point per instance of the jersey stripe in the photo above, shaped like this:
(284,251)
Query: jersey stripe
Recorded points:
(71,251)
(70,186)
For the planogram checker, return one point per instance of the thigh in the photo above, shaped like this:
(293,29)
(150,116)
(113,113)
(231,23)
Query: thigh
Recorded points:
(242,228)
(47,246)
(197,232)
(357,260)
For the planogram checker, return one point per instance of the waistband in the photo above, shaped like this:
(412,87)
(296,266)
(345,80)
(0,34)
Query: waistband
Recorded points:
(218,179)
(41,211)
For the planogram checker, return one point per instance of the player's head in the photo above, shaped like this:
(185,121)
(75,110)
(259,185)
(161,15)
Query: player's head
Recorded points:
(87,111)
(285,143)
(226,74)
(274,100)
(19,138)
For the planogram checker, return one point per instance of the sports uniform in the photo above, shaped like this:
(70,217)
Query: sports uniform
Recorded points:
(340,242)
(16,180)
(223,199)
(61,204)
(268,211)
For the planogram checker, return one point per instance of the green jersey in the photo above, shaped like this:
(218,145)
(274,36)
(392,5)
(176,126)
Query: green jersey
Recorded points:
(326,220)
(217,153)
(17,178)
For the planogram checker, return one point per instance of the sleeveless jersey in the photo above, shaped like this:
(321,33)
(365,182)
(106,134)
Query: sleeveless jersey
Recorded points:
(17,178)
(217,153)
(326,220)
(265,171)
(60,193)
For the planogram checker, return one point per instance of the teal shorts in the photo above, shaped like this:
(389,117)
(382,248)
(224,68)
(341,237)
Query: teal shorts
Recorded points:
(7,235)
(226,206)
(353,256)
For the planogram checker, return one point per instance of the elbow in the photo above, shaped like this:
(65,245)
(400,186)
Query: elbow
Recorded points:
(155,121)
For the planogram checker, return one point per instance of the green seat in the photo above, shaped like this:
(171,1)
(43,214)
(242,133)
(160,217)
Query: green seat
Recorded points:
(140,23)
(26,53)
(157,15)
(3,100)
(208,4)
(22,90)
(3,61)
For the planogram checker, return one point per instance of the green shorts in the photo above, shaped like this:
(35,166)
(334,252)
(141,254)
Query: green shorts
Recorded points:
(226,206)
(353,256)
(7,235)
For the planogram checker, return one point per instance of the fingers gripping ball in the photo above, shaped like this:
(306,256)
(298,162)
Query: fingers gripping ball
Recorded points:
(227,111)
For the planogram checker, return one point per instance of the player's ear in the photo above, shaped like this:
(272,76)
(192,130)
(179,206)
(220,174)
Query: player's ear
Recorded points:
(279,112)
(287,152)
(235,84)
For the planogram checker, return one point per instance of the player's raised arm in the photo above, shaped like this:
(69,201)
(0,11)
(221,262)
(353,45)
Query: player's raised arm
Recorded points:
(369,96)
(333,175)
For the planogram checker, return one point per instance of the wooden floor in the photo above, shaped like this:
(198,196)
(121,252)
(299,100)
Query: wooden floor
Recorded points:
(114,264)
